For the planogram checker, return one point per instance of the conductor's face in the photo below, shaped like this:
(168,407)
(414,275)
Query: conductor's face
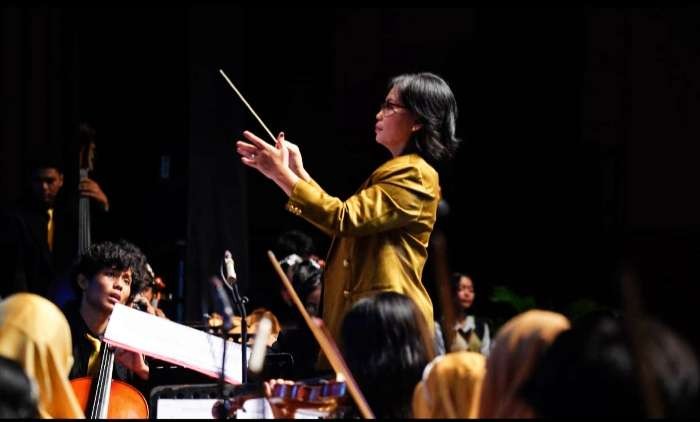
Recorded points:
(46,183)
(395,123)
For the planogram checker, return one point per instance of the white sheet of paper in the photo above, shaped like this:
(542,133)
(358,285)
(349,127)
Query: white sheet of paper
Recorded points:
(202,409)
(169,341)
(185,408)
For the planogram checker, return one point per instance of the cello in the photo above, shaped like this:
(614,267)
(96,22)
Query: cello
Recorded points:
(101,397)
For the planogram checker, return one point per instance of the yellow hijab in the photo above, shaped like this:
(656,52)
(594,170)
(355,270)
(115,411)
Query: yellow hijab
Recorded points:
(517,349)
(34,333)
(451,387)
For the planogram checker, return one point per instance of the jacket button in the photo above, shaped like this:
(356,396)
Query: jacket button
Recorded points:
(346,263)
(346,293)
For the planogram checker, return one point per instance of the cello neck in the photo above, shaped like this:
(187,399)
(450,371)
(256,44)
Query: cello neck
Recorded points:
(102,384)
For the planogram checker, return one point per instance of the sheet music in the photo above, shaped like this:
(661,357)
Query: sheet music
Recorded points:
(169,341)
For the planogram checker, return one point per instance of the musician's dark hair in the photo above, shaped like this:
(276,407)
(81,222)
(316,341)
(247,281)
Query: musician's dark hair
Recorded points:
(294,242)
(456,277)
(45,160)
(120,255)
(387,344)
(591,370)
(432,102)
(18,395)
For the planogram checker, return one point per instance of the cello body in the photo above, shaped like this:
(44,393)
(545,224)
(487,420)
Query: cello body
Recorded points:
(125,401)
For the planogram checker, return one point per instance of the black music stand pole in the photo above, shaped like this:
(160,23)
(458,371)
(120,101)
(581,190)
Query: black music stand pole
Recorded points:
(239,302)
(223,413)
(226,325)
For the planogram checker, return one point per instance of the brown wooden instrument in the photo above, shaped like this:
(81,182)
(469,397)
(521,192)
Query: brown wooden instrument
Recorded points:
(101,397)
(327,345)
(442,280)
(323,397)
(87,158)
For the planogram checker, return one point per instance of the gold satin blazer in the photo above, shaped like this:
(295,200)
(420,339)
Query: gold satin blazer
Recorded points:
(380,235)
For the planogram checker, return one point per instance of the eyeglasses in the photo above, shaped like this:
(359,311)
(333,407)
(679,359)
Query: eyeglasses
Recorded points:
(389,108)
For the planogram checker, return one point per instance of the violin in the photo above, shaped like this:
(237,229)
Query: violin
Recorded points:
(325,341)
(325,398)
(101,397)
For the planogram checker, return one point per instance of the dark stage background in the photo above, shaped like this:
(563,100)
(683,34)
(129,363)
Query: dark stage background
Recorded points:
(579,127)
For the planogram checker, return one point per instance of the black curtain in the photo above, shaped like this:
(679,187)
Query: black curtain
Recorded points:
(579,140)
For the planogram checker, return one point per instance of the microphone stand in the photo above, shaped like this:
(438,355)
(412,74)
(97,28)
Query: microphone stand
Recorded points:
(239,302)
(222,409)
(225,403)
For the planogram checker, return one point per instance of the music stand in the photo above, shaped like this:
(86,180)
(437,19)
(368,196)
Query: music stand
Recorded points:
(196,400)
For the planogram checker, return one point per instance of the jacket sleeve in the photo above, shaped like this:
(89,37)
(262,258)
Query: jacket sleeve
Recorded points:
(394,198)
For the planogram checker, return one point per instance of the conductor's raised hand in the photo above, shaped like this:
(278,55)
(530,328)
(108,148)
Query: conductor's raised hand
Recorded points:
(271,161)
(267,159)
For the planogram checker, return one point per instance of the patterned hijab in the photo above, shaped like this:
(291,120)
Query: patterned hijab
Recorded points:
(34,333)
(517,348)
(451,387)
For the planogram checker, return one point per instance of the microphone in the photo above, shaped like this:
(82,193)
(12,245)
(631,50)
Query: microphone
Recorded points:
(230,271)
(224,303)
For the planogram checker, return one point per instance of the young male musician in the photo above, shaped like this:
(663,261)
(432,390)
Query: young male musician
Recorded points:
(107,274)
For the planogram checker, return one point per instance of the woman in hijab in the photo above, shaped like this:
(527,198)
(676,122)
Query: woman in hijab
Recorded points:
(517,349)
(451,387)
(35,334)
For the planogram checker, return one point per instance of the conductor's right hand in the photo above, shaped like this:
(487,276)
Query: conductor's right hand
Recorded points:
(271,161)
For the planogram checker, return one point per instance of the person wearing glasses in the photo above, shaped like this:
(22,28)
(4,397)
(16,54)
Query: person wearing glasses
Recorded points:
(380,234)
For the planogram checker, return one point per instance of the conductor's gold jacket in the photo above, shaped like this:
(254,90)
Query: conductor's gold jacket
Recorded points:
(380,235)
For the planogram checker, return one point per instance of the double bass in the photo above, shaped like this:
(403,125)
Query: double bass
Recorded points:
(101,397)
(86,138)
